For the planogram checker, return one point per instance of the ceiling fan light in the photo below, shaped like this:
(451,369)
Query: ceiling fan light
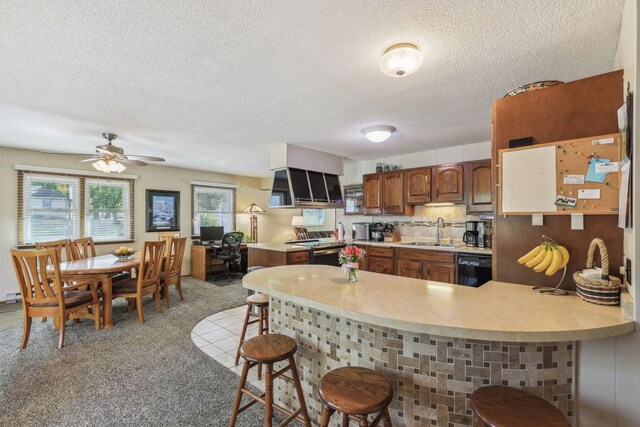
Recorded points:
(378,133)
(101,166)
(400,60)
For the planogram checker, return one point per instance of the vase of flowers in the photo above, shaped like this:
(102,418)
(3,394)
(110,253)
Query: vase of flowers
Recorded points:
(349,257)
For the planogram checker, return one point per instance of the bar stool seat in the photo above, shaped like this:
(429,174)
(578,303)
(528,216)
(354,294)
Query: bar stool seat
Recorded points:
(267,350)
(355,392)
(500,406)
(259,300)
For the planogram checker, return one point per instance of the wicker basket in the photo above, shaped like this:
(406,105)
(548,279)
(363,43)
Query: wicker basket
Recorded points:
(598,291)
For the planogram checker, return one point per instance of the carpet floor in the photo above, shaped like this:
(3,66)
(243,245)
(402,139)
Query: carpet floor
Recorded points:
(133,374)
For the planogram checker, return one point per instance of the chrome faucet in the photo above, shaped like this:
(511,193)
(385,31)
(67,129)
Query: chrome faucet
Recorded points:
(438,221)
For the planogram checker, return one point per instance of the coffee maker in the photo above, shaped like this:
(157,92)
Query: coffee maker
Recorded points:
(484,234)
(470,236)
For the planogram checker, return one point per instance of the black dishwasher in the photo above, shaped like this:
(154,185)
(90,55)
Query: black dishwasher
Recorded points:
(474,270)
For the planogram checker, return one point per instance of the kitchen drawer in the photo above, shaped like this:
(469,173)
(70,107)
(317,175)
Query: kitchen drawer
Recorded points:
(380,252)
(426,255)
(412,269)
(301,257)
(380,265)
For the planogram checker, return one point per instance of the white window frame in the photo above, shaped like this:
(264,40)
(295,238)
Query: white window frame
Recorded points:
(126,198)
(196,189)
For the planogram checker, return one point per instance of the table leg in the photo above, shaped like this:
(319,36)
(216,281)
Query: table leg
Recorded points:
(106,301)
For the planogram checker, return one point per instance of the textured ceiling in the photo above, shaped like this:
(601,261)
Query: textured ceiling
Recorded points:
(212,84)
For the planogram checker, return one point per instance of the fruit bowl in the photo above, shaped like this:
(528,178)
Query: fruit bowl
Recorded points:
(123,253)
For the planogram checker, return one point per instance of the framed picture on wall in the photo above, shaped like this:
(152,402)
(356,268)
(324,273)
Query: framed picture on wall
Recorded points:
(313,217)
(163,210)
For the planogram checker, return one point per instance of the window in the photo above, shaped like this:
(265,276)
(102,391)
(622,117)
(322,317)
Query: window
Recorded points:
(107,210)
(213,206)
(53,207)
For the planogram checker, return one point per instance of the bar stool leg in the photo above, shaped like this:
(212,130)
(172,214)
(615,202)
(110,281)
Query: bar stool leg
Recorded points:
(268,395)
(326,415)
(386,419)
(244,331)
(236,404)
(260,320)
(298,385)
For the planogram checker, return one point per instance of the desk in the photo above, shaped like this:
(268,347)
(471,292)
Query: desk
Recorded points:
(99,268)
(202,260)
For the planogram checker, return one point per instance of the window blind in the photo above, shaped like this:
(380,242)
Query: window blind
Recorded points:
(213,206)
(58,206)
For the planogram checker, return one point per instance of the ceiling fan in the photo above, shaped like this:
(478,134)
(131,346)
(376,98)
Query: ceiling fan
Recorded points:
(111,158)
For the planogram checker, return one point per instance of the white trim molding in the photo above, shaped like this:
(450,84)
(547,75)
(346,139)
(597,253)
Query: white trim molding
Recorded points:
(214,184)
(73,172)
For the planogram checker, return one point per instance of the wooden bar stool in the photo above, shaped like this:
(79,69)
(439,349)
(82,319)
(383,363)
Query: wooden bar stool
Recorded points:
(269,349)
(357,393)
(499,406)
(261,301)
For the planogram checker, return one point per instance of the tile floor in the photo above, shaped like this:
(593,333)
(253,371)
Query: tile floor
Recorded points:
(219,335)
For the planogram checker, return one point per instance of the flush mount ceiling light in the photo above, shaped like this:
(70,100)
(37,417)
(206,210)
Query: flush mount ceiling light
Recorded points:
(401,60)
(378,133)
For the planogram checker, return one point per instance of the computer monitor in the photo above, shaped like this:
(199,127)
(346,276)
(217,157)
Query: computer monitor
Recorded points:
(211,233)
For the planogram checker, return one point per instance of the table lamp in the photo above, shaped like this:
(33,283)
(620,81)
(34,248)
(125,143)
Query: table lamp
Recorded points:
(254,209)
(297,221)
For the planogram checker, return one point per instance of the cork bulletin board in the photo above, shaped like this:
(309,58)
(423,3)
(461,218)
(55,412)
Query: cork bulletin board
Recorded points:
(533,179)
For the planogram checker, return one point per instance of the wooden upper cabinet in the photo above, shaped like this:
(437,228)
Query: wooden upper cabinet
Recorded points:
(417,184)
(373,194)
(393,193)
(479,186)
(448,183)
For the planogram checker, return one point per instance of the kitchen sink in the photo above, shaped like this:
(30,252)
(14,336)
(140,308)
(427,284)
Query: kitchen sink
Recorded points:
(440,245)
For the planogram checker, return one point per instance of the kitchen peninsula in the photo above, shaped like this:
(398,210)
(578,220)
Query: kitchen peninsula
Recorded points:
(435,342)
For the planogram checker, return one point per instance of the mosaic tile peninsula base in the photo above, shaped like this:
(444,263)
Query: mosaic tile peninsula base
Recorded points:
(432,376)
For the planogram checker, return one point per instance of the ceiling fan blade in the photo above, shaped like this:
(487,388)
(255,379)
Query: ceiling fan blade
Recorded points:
(67,154)
(91,159)
(103,151)
(132,162)
(147,158)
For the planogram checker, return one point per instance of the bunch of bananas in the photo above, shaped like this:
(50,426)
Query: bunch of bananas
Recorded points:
(548,256)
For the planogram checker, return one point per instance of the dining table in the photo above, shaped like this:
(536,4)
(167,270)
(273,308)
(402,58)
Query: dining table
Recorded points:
(99,269)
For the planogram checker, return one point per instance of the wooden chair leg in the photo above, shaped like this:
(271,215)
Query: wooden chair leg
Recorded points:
(236,403)
(26,331)
(363,421)
(179,288)
(299,391)
(43,320)
(244,332)
(345,419)
(139,305)
(62,328)
(165,290)
(326,415)
(156,296)
(268,396)
(131,303)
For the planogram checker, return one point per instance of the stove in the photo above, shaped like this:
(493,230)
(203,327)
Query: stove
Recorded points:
(323,252)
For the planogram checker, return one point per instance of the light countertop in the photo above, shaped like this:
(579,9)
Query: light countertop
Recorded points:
(279,247)
(403,244)
(496,311)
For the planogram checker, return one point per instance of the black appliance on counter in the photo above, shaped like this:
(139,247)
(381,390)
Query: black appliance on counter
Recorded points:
(322,253)
(378,231)
(470,236)
(474,269)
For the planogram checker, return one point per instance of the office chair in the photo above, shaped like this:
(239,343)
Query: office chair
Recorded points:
(229,251)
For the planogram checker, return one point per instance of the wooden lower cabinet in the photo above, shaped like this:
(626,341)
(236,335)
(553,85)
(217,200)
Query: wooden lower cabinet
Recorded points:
(441,272)
(410,268)
(380,265)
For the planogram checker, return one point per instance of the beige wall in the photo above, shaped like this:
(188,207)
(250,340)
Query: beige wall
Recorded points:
(274,225)
(608,375)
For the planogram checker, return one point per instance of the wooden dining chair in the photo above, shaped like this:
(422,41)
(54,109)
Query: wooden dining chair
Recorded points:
(164,235)
(83,248)
(173,268)
(43,293)
(148,280)
(62,247)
